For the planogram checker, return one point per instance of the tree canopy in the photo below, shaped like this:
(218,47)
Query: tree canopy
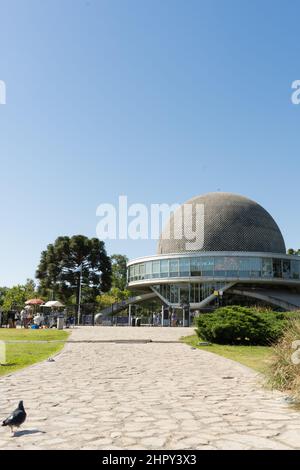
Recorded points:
(67,260)
(119,271)
(16,296)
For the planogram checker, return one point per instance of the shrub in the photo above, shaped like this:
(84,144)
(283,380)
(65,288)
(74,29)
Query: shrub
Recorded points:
(283,374)
(241,325)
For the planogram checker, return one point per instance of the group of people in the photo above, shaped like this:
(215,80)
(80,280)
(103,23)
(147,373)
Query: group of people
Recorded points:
(172,319)
(26,318)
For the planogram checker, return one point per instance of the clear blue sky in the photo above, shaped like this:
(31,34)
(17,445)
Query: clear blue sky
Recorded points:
(158,100)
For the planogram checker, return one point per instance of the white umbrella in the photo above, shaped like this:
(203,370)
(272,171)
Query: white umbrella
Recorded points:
(53,303)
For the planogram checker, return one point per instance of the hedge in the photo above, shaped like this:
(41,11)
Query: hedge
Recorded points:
(241,325)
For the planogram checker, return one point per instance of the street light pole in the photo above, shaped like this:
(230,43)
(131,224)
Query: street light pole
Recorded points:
(79,296)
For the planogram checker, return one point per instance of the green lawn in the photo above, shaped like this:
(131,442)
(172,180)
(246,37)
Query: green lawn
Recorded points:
(19,355)
(255,357)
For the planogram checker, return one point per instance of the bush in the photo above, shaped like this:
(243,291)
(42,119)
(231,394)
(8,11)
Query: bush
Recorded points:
(241,325)
(283,374)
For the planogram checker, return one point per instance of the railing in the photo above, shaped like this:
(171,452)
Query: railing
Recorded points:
(119,306)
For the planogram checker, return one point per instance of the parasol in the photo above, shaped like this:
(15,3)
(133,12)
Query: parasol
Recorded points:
(34,302)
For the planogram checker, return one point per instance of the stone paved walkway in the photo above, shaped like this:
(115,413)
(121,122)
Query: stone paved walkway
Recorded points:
(155,395)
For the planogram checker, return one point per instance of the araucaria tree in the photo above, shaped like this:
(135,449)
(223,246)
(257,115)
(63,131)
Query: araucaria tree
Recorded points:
(71,259)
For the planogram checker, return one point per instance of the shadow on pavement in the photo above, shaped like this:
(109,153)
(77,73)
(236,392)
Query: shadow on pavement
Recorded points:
(28,431)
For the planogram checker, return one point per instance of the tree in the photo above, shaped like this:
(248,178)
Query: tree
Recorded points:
(3,291)
(119,271)
(30,288)
(70,259)
(118,292)
(16,296)
(291,251)
(115,295)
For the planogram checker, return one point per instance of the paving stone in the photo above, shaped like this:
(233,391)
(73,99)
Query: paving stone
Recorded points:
(226,444)
(291,437)
(208,447)
(264,416)
(191,443)
(114,435)
(153,442)
(257,442)
(159,395)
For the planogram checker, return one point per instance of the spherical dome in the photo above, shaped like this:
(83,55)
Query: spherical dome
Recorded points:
(221,222)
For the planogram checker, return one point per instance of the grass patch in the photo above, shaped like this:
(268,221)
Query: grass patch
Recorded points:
(20,355)
(15,334)
(255,357)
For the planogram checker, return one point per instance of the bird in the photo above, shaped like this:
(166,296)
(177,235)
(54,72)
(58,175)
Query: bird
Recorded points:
(16,418)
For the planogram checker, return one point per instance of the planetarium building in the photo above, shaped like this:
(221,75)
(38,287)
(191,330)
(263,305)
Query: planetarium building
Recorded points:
(238,257)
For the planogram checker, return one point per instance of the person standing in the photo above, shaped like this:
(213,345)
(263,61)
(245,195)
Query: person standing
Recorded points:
(11,319)
(29,318)
(38,320)
(17,318)
(22,317)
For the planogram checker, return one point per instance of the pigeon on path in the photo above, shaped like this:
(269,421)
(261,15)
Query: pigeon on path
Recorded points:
(16,418)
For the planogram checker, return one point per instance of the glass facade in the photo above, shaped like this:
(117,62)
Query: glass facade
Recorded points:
(194,293)
(237,267)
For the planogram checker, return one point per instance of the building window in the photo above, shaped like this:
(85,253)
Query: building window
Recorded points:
(184,293)
(277,268)
(164,268)
(244,270)
(184,267)
(286,269)
(148,270)
(174,294)
(174,268)
(219,266)
(255,267)
(295,269)
(194,295)
(232,266)
(195,266)
(155,268)
(267,268)
(207,266)
(142,271)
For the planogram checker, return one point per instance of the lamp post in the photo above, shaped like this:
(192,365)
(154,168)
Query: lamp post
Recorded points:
(79,295)
(112,315)
(129,314)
